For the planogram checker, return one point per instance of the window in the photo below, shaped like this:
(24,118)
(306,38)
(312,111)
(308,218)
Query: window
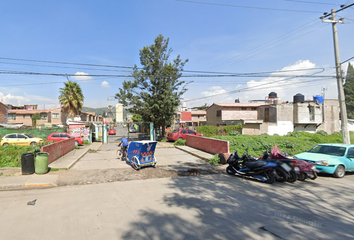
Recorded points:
(183,131)
(191,132)
(11,136)
(55,115)
(24,116)
(266,114)
(218,113)
(21,136)
(312,113)
(243,108)
(43,116)
(64,135)
(12,116)
(254,108)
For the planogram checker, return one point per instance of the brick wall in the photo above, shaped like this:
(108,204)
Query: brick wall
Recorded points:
(2,113)
(210,145)
(58,149)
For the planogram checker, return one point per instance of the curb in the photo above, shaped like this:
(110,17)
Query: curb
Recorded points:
(82,154)
(194,154)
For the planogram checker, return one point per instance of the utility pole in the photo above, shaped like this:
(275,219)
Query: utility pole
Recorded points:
(110,98)
(341,96)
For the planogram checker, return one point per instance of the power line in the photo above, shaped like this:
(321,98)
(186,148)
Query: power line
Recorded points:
(311,2)
(243,6)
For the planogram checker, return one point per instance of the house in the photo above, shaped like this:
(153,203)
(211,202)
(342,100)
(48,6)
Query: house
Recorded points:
(306,116)
(47,116)
(234,113)
(190,118)
(3,113)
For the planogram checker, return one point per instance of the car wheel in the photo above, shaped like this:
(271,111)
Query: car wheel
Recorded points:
(5,144)
(76,143)
(340,172)
(33,144)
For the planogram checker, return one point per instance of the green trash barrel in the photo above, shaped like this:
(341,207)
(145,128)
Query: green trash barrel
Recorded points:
(41,162)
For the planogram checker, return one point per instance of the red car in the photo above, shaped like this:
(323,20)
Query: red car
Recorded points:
(112,131)
(181,134)
(60,136)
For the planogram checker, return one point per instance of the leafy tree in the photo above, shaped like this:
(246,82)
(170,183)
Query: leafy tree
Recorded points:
(156,90)
(71,98)
(137,117)
(35,117)
(349,91)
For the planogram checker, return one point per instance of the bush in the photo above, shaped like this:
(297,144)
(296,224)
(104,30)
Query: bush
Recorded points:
(180,142)
(215,159)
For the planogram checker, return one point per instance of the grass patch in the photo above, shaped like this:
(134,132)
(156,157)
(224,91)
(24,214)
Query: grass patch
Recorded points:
(10,156)
(215,159)
(54,169)
(180,142)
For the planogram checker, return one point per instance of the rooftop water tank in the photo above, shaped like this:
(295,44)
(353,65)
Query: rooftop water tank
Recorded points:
(318,98)
(299,98)
(272,95)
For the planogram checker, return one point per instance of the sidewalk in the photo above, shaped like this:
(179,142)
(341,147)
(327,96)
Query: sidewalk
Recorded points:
(68,161)
(45,180)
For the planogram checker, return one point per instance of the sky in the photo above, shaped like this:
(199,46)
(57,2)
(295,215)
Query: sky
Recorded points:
(235,49)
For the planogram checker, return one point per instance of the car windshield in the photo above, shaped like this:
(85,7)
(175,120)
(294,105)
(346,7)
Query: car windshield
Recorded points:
(328,150)
(27,135)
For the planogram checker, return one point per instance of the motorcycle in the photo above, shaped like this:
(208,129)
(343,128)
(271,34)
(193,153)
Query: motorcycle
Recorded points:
(285,171)
(260,170)
(302,168)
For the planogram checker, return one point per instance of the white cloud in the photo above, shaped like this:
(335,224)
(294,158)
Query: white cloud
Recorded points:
(42,102)
(81,76)
(105,84)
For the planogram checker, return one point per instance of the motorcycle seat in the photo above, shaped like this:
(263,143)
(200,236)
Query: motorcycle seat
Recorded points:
(255,164)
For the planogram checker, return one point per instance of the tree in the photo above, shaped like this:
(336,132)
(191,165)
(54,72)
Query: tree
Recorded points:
(137,117)
(71,98)
(349,91)
(35,117)
(156,90)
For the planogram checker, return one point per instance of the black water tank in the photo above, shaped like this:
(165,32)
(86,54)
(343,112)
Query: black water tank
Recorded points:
(27,163)
(299,98)
(272,95)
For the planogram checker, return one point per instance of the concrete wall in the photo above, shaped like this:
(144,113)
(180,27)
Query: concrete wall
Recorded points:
(251,129)
(58,149)
(302,113)
(212,119)
(230,113)
(331,119)
(209,145)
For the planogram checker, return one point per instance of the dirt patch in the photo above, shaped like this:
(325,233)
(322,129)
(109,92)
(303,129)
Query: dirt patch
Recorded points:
(7,172)
(84,177)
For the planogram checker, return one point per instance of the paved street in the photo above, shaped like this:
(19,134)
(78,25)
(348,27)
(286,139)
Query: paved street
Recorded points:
(203,207)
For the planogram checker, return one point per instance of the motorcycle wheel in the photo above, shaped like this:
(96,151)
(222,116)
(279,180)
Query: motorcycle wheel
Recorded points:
(230,171)
(270,177)
(314,176)
(292,177)
(301,176)
(281,175)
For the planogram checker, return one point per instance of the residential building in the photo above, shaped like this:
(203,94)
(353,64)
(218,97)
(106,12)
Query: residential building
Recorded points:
(234,113)
(306,116)
(3,113)
(190,118)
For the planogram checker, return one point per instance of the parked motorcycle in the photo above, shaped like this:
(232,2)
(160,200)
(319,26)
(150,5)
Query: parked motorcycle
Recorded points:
(285,171)
(260,170)
(302,168)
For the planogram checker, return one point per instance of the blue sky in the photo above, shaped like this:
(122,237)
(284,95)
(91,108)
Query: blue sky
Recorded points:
(245,36)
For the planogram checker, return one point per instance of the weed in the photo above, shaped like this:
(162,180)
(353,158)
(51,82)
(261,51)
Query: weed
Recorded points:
(180,142)
(215,159)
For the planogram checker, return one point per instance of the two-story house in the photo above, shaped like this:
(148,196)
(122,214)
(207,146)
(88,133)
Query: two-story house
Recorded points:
(234,113)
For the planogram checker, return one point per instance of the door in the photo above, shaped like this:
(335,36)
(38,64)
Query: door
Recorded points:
(22,140)
(350,159)
(183,134)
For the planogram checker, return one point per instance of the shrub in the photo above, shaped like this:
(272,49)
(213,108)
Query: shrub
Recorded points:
(215,159)
(180,142)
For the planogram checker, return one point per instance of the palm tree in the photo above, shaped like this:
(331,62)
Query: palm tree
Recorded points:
(71,98)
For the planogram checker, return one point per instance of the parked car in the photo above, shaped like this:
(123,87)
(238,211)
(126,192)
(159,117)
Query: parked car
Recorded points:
(333,159)
(132,129)
(111,131)
(22,139)
(60,136)
(181,134)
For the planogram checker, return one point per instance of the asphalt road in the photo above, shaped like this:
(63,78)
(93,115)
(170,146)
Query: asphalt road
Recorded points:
(203,207)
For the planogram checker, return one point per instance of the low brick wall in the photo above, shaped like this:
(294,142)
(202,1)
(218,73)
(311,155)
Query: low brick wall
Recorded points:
(58,149)
(210,145)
